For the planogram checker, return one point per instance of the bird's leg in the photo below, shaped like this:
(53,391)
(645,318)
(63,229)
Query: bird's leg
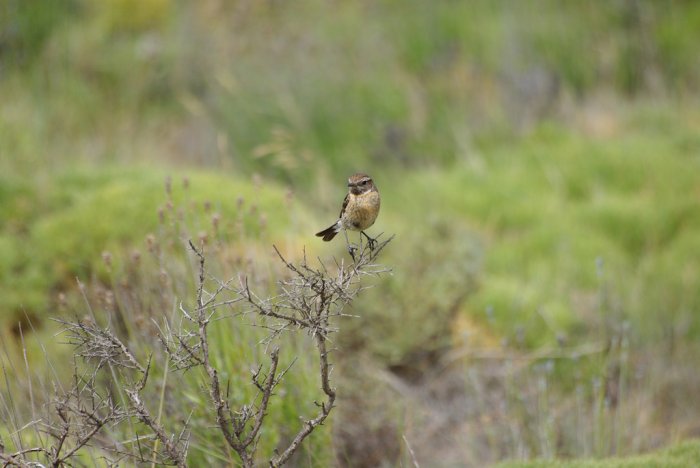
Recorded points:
(371,242)
(351,248)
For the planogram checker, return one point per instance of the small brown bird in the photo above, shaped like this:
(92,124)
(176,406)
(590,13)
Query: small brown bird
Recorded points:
(360,208)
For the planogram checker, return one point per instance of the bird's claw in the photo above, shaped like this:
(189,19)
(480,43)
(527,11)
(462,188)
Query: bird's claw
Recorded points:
(371,243)
(351,250)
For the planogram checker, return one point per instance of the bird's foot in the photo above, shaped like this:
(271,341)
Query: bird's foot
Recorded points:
(371,242)
(352,248)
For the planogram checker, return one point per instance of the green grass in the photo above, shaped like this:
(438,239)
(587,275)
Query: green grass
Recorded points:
(113,210)
(553,206)
(680,455)
(287,92)
(135,294)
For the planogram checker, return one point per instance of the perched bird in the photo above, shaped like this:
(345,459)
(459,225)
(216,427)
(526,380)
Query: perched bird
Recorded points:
(360,208)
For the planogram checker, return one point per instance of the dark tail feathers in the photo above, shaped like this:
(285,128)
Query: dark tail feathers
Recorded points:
(330,232)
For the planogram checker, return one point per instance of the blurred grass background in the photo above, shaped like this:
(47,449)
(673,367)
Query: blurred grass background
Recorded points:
(538,161)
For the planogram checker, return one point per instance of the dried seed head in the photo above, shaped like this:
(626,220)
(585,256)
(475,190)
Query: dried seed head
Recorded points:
(150,242)
(163,276)
(203,237)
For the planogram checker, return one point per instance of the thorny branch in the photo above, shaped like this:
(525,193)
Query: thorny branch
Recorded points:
(309,299)
(83,403)
(93,343)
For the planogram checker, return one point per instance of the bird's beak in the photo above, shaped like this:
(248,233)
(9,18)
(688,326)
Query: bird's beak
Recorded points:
(350,184)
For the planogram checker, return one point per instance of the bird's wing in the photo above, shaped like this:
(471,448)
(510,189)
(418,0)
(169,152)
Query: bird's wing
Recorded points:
(345,204)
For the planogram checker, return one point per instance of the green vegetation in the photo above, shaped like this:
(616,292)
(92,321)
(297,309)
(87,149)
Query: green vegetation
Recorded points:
(109,210)
(557,204)
(680,455)
(539,163)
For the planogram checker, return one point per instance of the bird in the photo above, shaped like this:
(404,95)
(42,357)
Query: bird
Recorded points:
(359,211)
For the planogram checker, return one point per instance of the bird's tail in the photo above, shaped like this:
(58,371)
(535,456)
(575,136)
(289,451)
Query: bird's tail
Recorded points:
(329,233)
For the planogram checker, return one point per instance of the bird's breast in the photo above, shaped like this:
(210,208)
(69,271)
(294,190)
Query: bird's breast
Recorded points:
(362,211)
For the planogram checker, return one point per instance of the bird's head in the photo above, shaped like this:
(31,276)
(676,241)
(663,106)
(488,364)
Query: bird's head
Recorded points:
(360,183)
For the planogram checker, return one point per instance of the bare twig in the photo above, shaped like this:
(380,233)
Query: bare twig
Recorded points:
(172,450)
(309,299)
(325,410)
(410,452)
